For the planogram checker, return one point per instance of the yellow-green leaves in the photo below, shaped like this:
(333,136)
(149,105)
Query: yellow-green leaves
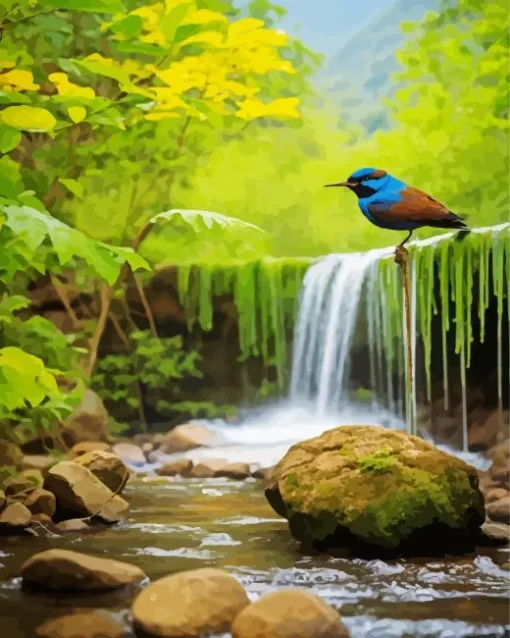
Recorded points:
(77,113)
(9,138)
(252,109)
(18,80)
(94,6)
(28,118)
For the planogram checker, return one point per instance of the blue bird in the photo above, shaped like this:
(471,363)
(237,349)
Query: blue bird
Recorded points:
(390,203)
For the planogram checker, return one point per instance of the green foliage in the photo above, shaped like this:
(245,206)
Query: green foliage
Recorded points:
(156,364)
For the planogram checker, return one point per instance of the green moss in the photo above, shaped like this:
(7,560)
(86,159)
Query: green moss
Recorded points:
(291,480)
(376,464)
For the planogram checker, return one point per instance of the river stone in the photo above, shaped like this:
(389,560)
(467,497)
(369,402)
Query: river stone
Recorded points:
(78,491)
(499,510)
(61,569)
(40,501)
(84,624)
(33,476)
(188,436)
(236,471)
(130,454)
(289,614)
(107,467)
(16,485)
(208,468)
(15,515)
(181,467)
(3,499)
(495,494)
(113,511)
(263,473)
(88,421)
(88,446)
(10,454)
(494,534)
(189,604)
(74,525)
(372,488)
(39,462)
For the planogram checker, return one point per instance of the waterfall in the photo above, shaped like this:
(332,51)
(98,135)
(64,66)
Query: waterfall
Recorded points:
(325,332)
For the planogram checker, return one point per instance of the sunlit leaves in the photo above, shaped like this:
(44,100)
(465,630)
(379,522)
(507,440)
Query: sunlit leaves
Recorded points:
(9,138)
(94,6)
(18,80)
(254,108)
(69,89)
(77,113)
(28,118)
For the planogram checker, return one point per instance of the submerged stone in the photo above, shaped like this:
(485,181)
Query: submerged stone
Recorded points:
(368,488)
(82,624)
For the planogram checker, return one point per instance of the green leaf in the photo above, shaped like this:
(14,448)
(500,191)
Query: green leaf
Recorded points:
(94,6)
(10,179)
(28,118)
(202,220)
(141,47)
(128,27)
(73,187)
(136,261)
(171,21)
(9,138)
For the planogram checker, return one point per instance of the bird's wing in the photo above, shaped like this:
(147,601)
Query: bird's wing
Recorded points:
(412,205)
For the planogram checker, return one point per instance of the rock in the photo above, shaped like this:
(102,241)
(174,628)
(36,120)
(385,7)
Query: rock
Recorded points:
(34,477)
(263,473)
(113,511)
(88,446)
(147,448)
(208,468)
(40,501)
(73,525)
(186,437)
(494,534)
(499,471)
(3,500)
(130,454)
(191,603)
(17,484)
(182,467)
(15,515)
(372,488)
(499,510)
(289,614)
(78,492)
(44,519)
(61,569)
(107,467)
(494,494)
(39,462)
(236,471)
(88,421)
(483,429)
(85,624)
(10,454)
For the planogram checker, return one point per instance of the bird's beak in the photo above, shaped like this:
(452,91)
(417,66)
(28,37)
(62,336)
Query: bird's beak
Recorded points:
(347,184)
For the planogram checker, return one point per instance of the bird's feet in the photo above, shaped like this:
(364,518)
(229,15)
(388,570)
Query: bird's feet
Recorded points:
(401,255)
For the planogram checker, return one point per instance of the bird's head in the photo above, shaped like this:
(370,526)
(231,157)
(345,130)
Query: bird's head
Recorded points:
(364,182)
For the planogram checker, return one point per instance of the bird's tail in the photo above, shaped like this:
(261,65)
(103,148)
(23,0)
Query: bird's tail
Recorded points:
(452,221)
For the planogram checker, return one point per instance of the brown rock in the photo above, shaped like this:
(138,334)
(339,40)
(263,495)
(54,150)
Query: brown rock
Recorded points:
(3,500)
(494,534)
(89,420)
(88,446)
(494,494)
(41,501)
(10,454)
(182,467)
(15,515)
(499,471)
(147,448)
(39,462)
(107,467)
(191,604)
(86,624)
(289,614)
(130,454)
(483,429)
(42,518)
(73,525)
(208,468)
(499,510)
(236,471)
(500,451)
(60,569)
(16,484)
(34,477)
(78,492)
(186,437)
(113,511)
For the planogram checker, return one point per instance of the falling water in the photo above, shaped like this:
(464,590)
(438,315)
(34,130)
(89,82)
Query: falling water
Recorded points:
(326,329)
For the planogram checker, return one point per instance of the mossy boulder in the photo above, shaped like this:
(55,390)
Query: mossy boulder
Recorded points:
(369,488)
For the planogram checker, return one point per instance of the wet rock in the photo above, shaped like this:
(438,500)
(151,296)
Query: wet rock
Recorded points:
(191,604)
(236,471)
(113,511)
(289,614)
(483,429)
(60,569)
(367,488)
(15,515)
(499,510)
(85,624)
(130,454)
(186,437)
(16,485)
(107,467)
(182,467)
(494,534)
(499,471)
(78,492)
(39,462)
(88,421)
(44,519)
(40,501)
(10,454)
(494,494)
(74,525)
(208,468)
(88,446)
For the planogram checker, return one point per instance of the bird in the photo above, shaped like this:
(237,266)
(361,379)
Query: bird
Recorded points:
(390,203)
